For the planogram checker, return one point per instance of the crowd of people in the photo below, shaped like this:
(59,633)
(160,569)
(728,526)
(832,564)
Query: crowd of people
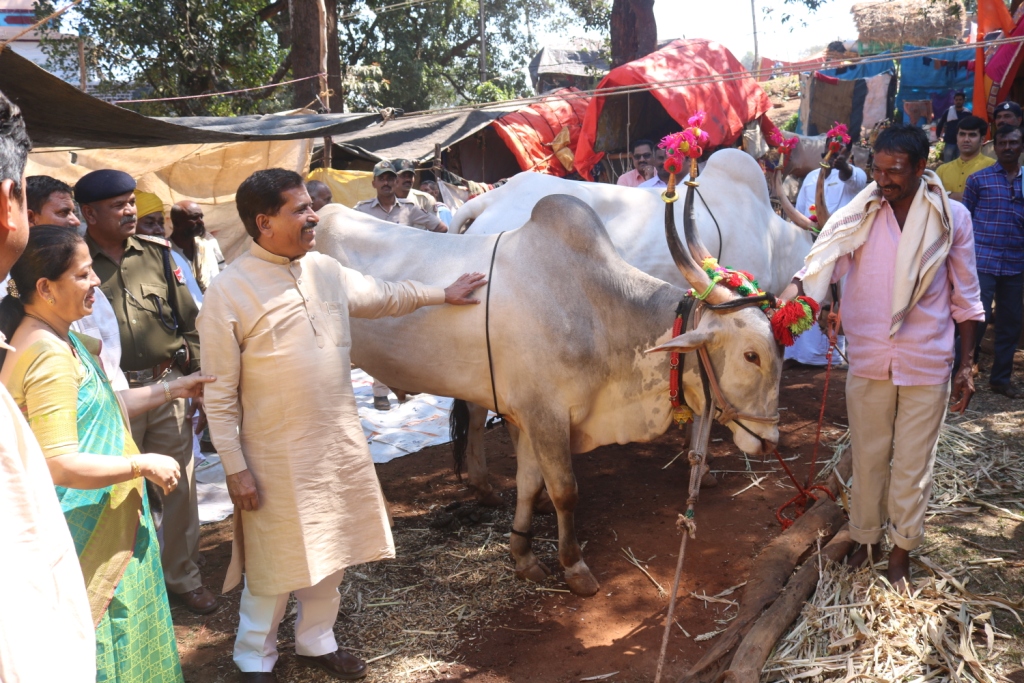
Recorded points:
(121,344)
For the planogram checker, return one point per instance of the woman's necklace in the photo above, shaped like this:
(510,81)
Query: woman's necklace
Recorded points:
(66,340)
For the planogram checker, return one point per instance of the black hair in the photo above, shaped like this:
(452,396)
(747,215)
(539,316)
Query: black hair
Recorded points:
(906,139)
(973,123)
(316,186)
(38,188)
(262,193)
(961,93)
(14,144)
(48,254)
(1004,129)
(641,141)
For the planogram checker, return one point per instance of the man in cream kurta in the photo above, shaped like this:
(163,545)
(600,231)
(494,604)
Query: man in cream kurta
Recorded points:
(284,421)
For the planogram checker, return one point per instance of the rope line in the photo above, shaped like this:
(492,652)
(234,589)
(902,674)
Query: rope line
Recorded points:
(226,92)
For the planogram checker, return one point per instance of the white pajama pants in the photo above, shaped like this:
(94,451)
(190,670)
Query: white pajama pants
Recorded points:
(380,389)
(260,615)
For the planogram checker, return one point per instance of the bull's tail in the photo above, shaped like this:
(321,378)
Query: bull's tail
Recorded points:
(458,430)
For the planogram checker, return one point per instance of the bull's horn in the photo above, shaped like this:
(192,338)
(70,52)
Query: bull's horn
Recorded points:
(693,273)
(820,209)
(792,214)
(690,232)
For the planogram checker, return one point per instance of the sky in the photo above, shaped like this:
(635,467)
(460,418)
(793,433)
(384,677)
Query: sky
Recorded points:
(729,22)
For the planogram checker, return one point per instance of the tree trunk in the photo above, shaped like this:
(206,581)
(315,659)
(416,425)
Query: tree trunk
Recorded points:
(634,30)
(305,32)
(334,58)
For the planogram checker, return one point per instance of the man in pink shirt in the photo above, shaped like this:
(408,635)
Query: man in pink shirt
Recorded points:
(643,152)
(907,253)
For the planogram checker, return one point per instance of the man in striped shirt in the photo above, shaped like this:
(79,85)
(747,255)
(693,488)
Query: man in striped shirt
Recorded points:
(994,198)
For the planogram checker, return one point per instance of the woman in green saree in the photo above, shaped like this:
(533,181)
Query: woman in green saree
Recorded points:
(81,424)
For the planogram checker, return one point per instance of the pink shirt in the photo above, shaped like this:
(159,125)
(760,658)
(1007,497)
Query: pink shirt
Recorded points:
(921,352)
(630,179)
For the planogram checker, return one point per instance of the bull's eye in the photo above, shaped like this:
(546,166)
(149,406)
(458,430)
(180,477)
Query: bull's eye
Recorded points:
(752,357)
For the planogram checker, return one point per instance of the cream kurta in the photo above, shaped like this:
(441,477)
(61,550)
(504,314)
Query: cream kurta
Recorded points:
(282,406)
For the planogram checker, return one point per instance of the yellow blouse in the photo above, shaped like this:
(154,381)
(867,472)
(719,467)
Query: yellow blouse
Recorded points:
(44,384)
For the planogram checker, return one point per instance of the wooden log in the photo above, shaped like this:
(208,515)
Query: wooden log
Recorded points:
(753,651)
(771,571)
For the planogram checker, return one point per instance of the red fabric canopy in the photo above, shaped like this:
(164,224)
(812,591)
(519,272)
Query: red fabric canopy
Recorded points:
(529,131)
(729,104)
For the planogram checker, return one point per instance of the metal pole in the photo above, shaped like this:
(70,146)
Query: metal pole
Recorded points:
(755,66)
(483,45)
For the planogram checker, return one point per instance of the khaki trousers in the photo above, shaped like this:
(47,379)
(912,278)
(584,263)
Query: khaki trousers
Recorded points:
(894,432)
(167,430)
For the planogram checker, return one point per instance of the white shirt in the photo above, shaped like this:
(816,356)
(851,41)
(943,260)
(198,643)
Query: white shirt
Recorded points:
(653,182)
(837,193)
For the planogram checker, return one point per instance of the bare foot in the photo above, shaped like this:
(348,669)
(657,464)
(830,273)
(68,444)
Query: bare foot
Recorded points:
(898,572)
(860,557)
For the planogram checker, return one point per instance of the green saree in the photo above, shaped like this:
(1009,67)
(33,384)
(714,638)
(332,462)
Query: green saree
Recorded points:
(117,546)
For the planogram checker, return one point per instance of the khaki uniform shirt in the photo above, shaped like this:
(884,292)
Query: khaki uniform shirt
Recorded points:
(403,212)
(44,602)
(276,333)
(424,200)
(138,289)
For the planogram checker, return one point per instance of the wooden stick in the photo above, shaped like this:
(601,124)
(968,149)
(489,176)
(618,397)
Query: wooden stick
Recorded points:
(753,651)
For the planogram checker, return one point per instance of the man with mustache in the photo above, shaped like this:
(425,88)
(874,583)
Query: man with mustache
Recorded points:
(994,198)
(157,318)
(388,206)
(275,327)
(907,252)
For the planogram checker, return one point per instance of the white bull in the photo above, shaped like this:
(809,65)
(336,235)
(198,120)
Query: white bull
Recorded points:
(569,324)
(735,219)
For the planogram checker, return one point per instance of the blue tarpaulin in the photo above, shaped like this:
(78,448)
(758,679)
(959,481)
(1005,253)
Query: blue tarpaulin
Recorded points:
(851,73)
(935,78)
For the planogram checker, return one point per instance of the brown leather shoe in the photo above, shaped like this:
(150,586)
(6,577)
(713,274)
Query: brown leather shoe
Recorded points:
(339,664)
(257,677)
(199,601)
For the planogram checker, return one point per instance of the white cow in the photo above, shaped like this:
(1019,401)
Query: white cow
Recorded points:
(569,324)
(748,234)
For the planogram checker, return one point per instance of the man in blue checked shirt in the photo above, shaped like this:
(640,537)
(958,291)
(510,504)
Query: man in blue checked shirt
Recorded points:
(993,196)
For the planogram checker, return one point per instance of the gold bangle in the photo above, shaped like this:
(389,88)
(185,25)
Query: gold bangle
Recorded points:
(136,470)
(167,392)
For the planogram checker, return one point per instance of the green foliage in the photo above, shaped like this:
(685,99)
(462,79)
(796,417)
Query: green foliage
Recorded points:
(429,53)
(172,48)
(790,125)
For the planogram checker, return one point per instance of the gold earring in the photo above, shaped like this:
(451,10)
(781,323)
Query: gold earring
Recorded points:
(51,301)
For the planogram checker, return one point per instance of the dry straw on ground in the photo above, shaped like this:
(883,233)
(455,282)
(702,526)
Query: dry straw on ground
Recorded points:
(407,616)
(857,627)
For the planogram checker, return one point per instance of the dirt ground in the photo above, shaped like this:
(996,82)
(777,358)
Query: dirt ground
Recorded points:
(629,499)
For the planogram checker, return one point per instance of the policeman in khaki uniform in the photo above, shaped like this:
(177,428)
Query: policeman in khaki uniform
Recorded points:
(157,319)
(388,206)
(406,179)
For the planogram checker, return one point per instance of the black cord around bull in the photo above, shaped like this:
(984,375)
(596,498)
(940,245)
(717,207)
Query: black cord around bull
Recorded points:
(717,227)
(487,323)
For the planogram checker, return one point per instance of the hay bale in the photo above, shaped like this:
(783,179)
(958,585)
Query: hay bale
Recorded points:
(894,23)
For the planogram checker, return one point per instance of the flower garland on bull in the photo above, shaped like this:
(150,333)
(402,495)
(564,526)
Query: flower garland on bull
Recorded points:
(788,319)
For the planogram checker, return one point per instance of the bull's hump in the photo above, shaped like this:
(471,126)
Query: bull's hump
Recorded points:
(570,220)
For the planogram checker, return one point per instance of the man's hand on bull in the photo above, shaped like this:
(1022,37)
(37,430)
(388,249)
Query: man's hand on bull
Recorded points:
(458,292)
(242,489)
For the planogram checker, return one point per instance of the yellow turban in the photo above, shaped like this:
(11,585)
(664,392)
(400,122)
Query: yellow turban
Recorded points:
(147,203)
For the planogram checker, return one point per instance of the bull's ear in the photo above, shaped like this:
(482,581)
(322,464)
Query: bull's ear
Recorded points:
(685,343)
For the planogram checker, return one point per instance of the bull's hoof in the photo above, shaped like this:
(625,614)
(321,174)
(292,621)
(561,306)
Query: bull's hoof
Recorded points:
(708,481)
(544,505)
(489,499)
(535,572)
(581,581)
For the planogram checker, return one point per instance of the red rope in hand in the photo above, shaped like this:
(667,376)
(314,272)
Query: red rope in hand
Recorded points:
(802,500)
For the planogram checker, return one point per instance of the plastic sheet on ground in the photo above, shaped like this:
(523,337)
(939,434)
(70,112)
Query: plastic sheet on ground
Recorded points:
(407,428)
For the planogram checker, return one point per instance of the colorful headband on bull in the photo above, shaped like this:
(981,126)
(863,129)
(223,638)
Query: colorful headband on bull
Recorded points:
(837,139)
(789,319)
(689,142)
